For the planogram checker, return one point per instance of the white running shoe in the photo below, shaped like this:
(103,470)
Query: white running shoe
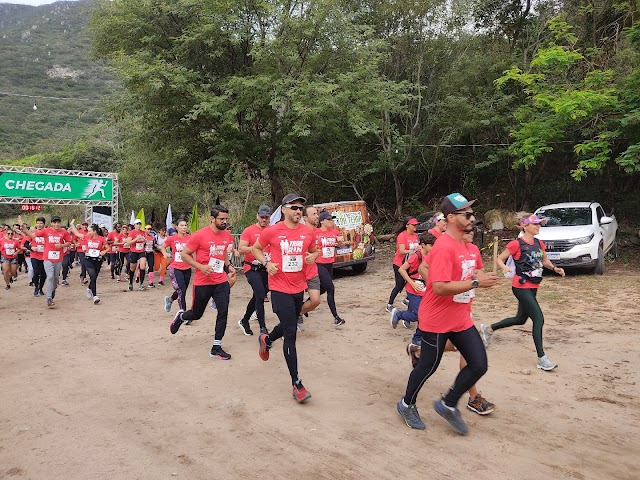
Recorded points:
(96,300)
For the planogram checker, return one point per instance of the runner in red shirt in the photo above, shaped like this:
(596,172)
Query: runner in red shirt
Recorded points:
(310,216)
(179,272)
(96,247)
(123,251)
(292,245)
(9,249)
(37,252)
(136,242)
(112,239)
(445,314)
(57,239)
(439,225)
(206,251)
(81,246)
(406,243)
(255,273)
(327,238)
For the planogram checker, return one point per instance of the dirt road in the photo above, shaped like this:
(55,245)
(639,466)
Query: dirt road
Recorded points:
(106,392)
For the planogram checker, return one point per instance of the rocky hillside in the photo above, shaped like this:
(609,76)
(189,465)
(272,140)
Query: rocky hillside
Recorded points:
(45,51)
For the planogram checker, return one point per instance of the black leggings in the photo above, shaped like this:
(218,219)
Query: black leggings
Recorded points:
(122,257)
(180,281)
(287,307)
(39,275)
(201,295)
(66,262)
(325,272)
(527,308)
(114,262)
(259,281)
(469,343)
(92,267)
(400,283)
(150,261)
(83,268)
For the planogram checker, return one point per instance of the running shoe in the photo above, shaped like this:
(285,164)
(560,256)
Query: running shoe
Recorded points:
(264,347)
(410,415)
(89,294)
(300,323)
(151,285)
(414,352)
(7,287)
(546,364)
(167,304)
(406,324)
(142,287)
(218,352)
(389,308)
(130,287)
(451,415)
(36,292)
(112,277)
(50,302)
(244,326)
(264,331)
(338,322)
(485,334)
(64,282)
(480,405)
(405,302)
(254,316)
(119,279)
(96,300)
(31,284)
(176,322)
(161,283)
(300,393)
(394,318)
(41,293)
(213,304)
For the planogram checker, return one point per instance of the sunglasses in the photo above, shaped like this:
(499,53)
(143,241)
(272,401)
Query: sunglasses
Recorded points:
(295,207)
(468,215)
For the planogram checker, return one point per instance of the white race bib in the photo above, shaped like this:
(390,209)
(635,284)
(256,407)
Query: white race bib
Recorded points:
(177,257)
(464,297)
(93,252)
(217,265)
(10,250)
(40,248)
(139,246)
(327,252)
(292,263)
(54,255)
(114,249)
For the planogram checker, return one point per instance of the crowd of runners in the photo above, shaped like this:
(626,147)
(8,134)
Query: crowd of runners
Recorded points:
(290,259)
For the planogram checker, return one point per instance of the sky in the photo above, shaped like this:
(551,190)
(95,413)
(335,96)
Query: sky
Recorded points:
(30,2)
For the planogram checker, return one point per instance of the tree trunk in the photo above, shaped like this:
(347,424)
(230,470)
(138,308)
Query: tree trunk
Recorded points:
(277,190)
(397,184)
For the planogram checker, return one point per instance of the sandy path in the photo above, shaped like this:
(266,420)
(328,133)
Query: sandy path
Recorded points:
(105,392)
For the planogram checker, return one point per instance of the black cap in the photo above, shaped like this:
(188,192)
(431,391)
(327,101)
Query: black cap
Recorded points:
(55,218)
(264,211)
(292,197)
(326,216)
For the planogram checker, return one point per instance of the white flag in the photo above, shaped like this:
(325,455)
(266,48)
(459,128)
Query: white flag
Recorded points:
(169,221)
(133,218)
(276,215)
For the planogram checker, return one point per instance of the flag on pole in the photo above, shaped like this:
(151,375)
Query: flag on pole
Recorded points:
(140,217)
(133,218)
(169,221)
(194,219)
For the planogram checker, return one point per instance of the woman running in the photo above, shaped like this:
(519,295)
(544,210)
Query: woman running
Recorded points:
(530,257)
(9,249)
(97,247)
(406,243)
(179,272)
(159,260)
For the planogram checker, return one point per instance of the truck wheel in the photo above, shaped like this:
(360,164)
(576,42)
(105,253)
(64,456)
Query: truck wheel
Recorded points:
(359,267)
(599,268)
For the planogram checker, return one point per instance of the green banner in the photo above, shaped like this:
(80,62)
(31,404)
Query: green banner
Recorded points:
(59,187)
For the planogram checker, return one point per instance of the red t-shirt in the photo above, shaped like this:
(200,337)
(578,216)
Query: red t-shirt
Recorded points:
(409,242)
(210,248)
(326,241)
(449,261)
(53,237)
(94,245)
(514,248)
(148,243)
(251,234)
(122,237)
(82,242)
(9,248)
(435,233)
(289,247)
(136,246)
(37,247)
(176,243)
(113,236)
(414,261)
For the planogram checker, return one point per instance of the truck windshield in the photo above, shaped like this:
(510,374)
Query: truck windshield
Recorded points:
(566,217)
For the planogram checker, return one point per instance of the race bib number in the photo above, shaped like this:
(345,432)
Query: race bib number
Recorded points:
(10,250)
(292,263)
(114,249)
(139,246)
(177,257)
(464,297)
(327,252)
(217,265)
(40,248)
(148,248)
(421,286)
(54,255)
(93,252)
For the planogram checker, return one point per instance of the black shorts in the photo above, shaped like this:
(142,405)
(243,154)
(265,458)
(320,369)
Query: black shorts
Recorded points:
(135,256)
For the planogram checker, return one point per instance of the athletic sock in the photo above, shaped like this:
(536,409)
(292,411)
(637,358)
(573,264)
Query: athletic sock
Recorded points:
(142,272)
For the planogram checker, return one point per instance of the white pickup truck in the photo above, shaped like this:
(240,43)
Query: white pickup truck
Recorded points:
(578,234)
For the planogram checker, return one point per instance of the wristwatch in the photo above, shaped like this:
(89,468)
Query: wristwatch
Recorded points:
(265,263)
(475,283)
